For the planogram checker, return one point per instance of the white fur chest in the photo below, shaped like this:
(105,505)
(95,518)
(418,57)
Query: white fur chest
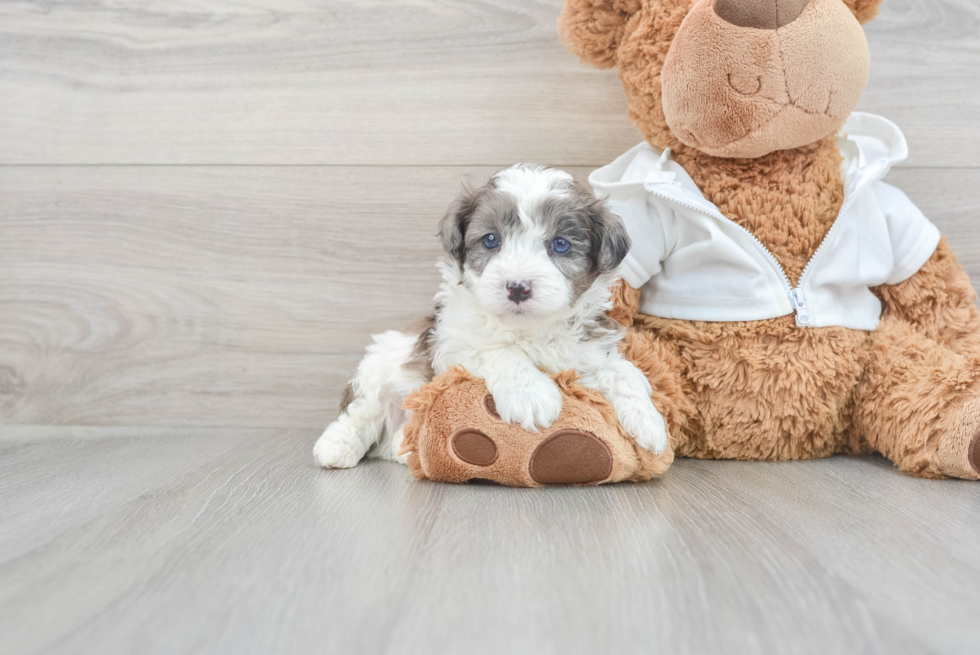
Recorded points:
(574,339)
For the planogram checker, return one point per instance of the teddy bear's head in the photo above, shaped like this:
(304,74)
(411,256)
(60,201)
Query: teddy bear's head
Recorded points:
(730,78)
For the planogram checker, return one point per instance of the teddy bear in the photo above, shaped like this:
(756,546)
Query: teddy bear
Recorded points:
(788,302)
(782,299)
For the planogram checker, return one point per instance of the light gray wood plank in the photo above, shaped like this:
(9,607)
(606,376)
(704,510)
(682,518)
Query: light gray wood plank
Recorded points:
(238,296)
(268,275)
(253,549)
(475,82)
(41,499)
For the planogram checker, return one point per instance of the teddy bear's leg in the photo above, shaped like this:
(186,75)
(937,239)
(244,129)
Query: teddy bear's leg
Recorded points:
(918,403)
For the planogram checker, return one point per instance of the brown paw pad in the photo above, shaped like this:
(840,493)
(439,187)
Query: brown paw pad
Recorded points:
(571,457)
(490,406)
(975,453)
(474,447)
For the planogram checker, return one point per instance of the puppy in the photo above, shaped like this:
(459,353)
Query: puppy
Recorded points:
(525,290)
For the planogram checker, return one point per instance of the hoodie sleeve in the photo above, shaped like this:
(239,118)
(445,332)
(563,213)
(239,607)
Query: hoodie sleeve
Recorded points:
(646,229)
(913,237)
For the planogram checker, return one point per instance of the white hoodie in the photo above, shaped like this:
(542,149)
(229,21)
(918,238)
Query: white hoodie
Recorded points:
(693,263)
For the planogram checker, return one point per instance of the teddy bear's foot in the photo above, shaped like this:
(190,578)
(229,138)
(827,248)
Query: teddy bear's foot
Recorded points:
(456,434)
(571,457)
(958,451)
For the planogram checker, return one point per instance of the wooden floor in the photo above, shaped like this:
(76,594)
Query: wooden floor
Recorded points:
(232,541)
(206,208)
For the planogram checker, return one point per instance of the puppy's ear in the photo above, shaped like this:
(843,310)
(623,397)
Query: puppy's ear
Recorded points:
(452,227)
(610,241)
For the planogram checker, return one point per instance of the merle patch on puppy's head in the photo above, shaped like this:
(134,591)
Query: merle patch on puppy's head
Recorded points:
(532,240)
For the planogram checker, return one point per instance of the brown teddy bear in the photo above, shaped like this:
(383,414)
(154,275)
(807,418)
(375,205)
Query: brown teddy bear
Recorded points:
(790,304)
(783,301)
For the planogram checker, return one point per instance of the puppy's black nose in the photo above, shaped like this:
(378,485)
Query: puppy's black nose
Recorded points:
(519,291)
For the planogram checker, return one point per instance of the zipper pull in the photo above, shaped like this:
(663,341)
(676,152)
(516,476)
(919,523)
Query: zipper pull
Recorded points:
(799,304)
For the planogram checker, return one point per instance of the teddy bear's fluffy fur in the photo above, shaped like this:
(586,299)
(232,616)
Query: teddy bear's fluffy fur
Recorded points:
(767,389)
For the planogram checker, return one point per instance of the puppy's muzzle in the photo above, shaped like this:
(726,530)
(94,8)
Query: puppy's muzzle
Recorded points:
(519,291)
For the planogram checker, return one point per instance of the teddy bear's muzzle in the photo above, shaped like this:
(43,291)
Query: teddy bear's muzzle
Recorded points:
(780,75)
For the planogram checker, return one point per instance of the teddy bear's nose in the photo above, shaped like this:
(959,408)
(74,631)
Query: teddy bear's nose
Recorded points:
(760,14)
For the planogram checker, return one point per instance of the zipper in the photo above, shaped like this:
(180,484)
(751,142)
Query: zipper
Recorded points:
(796,297)
(799,304)
(721,217)
(878,174)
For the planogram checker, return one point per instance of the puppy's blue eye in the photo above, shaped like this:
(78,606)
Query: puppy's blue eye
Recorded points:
(560,245)
(490,241)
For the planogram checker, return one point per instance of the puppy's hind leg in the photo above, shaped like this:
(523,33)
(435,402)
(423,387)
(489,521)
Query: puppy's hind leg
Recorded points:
(375,394)
(344,442)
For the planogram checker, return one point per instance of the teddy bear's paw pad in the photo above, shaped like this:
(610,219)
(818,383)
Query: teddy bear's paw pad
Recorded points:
(975,452)
(490,406)
(571,457)
(474,447)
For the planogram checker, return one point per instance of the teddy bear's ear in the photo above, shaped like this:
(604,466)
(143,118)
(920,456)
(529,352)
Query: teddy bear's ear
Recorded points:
(592,29)
(864,10)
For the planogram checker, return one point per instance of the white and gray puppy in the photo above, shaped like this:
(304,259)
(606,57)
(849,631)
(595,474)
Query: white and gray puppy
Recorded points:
(525,290)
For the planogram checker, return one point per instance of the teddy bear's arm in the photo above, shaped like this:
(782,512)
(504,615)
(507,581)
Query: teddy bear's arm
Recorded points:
(938,300)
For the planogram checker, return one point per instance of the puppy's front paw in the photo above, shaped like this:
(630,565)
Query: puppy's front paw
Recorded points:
(336,449)
(531,405)
(643,422)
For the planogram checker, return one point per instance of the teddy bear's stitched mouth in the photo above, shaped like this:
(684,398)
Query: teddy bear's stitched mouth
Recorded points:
(826,111)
